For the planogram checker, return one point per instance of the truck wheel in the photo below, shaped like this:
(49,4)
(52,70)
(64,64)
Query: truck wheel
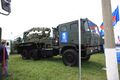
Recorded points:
(24,54)
(85,58)
(70,57)
(34,54)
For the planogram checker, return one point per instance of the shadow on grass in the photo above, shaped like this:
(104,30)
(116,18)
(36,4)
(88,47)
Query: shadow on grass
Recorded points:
(53,59)
(57,59)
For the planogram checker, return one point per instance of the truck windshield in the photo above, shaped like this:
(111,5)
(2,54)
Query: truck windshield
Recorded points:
(93,27)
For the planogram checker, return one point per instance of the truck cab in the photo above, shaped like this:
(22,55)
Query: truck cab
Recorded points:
(67,38)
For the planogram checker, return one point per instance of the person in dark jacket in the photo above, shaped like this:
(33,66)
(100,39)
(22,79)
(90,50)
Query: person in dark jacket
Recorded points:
(2,47)
(3,59)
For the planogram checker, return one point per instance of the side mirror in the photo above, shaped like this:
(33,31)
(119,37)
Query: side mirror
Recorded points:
(5,4)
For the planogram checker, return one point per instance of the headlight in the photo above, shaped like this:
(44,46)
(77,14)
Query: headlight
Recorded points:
(56,41)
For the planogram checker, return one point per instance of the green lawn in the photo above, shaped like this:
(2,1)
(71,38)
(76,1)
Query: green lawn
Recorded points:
(54,69)
(92,70)
(46,69)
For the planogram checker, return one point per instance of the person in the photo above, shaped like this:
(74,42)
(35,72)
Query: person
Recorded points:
(3,59)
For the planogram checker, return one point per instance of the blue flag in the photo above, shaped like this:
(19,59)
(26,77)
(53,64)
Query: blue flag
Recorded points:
(115,16)
(102,33)
(115,19)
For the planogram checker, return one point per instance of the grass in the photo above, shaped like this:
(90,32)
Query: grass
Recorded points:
(92,70)
(54,69)
(46,69)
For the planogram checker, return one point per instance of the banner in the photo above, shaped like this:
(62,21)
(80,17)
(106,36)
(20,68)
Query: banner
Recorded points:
(115,19)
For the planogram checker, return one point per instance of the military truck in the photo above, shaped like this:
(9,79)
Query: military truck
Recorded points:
(38,44)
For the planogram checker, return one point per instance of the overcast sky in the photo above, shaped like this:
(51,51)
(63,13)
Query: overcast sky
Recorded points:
(48,13)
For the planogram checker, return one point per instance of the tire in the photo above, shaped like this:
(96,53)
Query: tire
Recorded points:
(34,54)
(25,54)
(85,58)
(70,57)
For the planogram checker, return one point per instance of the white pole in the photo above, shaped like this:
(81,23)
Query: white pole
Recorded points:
(110,51)
(79,27)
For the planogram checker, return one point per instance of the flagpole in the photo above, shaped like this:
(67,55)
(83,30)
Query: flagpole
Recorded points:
(79,30)
(110,51)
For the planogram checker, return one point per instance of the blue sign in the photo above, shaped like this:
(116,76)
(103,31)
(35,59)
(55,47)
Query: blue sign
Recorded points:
(118,54)
(64,37)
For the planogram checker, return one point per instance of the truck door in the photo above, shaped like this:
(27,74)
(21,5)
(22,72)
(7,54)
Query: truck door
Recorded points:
(74,33)
(85,33)
(94,33)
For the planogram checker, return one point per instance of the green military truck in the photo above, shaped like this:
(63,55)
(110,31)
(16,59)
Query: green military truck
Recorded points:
(65,41)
